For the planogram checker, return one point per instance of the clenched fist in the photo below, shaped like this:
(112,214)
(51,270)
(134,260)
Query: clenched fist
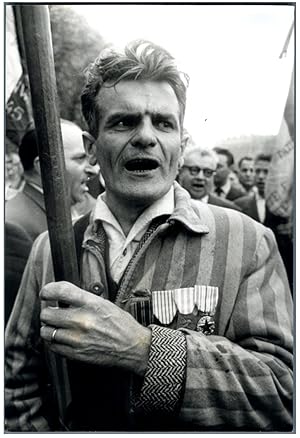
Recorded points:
(92,329)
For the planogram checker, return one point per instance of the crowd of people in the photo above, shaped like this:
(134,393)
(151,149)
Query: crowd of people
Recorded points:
(210,176)
(183,317)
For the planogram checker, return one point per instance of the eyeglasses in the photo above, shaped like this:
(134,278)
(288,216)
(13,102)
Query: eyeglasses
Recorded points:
(195,170)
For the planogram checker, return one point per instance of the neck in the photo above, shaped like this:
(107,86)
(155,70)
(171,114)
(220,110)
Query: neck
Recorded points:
(125,213)
(31,176)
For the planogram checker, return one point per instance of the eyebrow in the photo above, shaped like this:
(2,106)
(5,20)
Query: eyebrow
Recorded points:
(137,114)
(119,115)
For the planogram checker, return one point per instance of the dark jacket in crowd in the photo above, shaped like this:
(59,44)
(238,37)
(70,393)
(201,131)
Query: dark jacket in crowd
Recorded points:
(220,202)
(17,248)
(27,209)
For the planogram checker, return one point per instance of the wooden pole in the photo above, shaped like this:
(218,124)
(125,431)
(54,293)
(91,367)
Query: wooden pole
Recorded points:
(39,59)
(40,65)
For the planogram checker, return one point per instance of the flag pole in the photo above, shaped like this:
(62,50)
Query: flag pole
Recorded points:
(40,66)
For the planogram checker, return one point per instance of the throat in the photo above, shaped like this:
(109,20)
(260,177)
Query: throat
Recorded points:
(125,214)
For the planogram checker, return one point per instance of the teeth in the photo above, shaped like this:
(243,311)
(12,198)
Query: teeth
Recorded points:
(139,170)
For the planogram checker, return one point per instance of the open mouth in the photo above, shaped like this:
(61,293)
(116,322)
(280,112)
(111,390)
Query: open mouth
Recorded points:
(141,165)
(84,186)
(197,186)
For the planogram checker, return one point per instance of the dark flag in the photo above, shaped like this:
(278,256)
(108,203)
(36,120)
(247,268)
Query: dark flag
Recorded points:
(18,111)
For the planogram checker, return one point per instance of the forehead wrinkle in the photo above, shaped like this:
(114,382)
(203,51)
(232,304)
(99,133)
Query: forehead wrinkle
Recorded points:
(113,100)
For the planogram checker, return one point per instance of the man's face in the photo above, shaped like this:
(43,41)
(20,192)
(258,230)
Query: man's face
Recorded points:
(196,176)
(261,169)
(139,141)
(77,166)
(13,166)
(222,172)
(246,173)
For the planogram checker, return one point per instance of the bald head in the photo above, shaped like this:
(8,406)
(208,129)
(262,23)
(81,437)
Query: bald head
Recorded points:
(78,169)
(196,174)
(71,138)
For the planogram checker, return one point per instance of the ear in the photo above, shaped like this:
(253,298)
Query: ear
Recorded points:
(180,162)
(36,165)
(182,149)
(90,148)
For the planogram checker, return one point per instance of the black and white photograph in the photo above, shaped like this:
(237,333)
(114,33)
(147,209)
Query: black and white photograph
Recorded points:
(149,218)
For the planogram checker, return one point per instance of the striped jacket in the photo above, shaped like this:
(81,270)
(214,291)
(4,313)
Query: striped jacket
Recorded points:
(239,377)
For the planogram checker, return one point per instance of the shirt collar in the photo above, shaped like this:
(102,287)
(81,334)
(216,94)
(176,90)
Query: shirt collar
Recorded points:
(258,196)
(204,199)
(36,186)
(163,206)
(226,187)
(187,212)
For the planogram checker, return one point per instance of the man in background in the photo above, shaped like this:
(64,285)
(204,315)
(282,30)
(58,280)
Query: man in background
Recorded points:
(246,173)
(14,181)
(254,204)
(196,176)
(223,186)
(27,209)
(25,215)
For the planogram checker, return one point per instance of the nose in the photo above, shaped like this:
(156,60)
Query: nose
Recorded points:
(200,174)
(261,175)
(145,135)
(90,170)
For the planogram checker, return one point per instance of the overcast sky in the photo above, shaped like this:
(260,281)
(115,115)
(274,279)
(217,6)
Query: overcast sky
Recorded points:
(238,84)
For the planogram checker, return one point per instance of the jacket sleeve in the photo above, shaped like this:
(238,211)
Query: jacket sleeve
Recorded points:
(242,380)
(24,366)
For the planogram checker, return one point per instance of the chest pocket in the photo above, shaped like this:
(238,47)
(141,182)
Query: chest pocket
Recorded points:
(192,308)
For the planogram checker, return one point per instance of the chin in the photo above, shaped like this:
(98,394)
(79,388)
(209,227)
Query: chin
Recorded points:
(144,196)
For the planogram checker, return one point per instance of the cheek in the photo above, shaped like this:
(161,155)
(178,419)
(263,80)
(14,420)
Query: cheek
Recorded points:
(187,182)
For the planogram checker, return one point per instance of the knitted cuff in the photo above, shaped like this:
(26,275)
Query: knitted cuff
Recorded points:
(164,379)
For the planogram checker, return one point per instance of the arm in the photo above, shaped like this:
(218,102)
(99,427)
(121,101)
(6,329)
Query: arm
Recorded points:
(242,380)
(24,365)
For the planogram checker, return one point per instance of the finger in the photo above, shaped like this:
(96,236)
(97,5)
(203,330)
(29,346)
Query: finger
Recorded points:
(56,316)
(47,332)
(66,293)
(63,337)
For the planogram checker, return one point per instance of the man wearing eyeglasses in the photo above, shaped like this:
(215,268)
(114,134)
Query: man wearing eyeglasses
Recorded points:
(196,176)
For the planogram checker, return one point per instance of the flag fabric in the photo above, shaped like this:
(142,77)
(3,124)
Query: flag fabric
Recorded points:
(18,111)
(279,186)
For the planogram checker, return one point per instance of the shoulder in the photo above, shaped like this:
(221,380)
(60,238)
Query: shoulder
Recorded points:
(245,200)
(17,209)
(234,193)
(14,202)
(41,247)
(227,220)
(17,240)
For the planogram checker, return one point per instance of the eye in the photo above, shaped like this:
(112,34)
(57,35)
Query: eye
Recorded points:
(164,125)
(124,124)
(80,158)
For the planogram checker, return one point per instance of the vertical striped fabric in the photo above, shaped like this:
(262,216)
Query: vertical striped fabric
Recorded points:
(240,378)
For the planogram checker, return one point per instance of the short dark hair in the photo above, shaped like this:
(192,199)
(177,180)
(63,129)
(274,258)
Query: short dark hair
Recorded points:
(141,60)
(246,158)
(263,157)
(28,149)
(227,153)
